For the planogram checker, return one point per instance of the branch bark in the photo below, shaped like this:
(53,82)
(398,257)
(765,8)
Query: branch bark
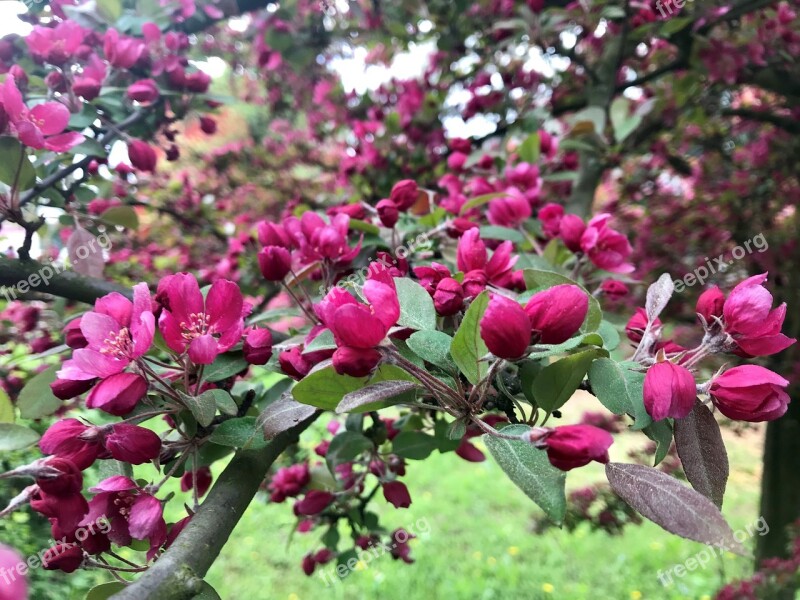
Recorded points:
(66,284)
(178,573)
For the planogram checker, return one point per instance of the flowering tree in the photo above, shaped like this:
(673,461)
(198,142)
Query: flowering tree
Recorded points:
(348,244)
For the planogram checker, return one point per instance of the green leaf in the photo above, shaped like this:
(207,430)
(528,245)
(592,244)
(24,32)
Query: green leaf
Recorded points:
(224,402)
(14,160)
(376,396)
(441,431)
(495,232)
(225,365)
(324,341)
(481,200)
(16,437)
(433,346)
(416,305)
(110,10)
(528,150)
(36,400)
(619,389)
(203,407)
(661,433)
(556,383)
(623,122)
(468,346)
(530,469)
(105,590)
(609,334)
(325,388)
(345,447)
(542,280)
(413,445)
(6,408)
(124,216)
(243,432)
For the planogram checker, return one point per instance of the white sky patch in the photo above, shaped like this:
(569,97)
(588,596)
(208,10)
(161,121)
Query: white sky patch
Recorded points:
(9,18)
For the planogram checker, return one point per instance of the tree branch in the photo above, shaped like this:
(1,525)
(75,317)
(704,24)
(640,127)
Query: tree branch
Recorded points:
(178,573)
(66,171)
(47,279)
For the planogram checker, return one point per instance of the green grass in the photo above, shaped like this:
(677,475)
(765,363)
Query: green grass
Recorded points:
(481,544)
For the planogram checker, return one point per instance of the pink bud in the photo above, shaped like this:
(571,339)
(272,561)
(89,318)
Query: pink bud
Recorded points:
(404,194)
(275,262)
(258,346)
(15,587)
(571,230)
(144,91)
(388,213)
(208,125)
(550,215)
(142,155)
(572,446)
(669,391)
(750,393)
(132,444)
(448,297)
(118,395)
(314,502)
(614,289)
(396,493)
(63,557)
(636,325)
(60,477)
(66,389)
(356,362)
(202,478)
(308,564)
(710,303)
(505,328)
(557,313)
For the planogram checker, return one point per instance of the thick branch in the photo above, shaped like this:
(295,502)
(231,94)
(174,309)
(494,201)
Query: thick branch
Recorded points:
(178,574)
(47,279)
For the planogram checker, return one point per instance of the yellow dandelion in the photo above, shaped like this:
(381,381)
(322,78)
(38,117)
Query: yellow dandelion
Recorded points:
(293,596)
(636,595)
(361,565)
(513,550)
(548,588)
(427,495)
(705,597)
(477,555)
(491,560)
(656,546)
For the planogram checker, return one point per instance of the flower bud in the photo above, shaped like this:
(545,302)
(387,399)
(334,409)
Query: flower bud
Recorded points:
(208,125)
(404,194)
(448,297)
(556,314)
(397,494)
(388,213)
(314,502)
(572,446)
(66,389)
(60,477)
(356,362)
(750,393)
(275,262)
(669,391)
(613,289)
(63,557)
(308,564)
(571,230)
(258,346)
(142,155)
(709,305)
(200,479)
(132,444)
(505,328)
(118,395)
(144,91)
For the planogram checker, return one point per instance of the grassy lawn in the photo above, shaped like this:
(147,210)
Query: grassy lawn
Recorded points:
(481,544)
